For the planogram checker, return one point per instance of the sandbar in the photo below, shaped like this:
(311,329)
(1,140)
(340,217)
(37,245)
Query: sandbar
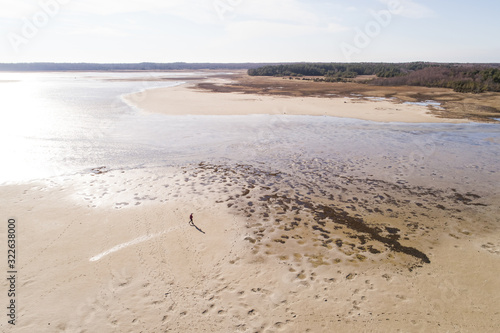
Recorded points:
(188,99)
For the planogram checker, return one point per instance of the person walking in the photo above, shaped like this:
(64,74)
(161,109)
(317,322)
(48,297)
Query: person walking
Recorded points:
(191,218)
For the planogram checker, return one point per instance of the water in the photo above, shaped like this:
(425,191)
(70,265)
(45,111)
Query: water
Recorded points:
(435,104)
(54,124)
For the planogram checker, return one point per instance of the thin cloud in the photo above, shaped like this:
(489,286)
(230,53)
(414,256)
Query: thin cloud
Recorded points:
(277,11)
(257,29)
(335,27)
(98,31)
(280,18)
(198,11)
(215,12)
(409,9)
(15,9)
(115,7)
(253,29)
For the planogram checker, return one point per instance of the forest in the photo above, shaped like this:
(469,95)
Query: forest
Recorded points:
(471,78)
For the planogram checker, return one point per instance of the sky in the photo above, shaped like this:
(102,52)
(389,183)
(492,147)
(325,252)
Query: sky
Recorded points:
(125,31)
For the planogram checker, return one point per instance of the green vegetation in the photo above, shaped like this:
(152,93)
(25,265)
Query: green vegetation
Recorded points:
(460,78)
(328,70)
(473,78)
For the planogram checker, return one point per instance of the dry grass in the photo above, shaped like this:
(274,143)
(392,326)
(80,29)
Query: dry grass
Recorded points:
(477,107)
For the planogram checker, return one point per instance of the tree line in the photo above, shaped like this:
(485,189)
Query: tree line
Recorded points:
(333,69)
(475,78)
(460,78)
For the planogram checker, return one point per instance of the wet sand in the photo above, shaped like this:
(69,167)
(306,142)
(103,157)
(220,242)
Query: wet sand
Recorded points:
(313,250)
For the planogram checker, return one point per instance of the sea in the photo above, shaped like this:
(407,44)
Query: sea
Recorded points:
(55,124)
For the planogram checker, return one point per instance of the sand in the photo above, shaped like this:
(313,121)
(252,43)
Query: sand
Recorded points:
(482,107)
(113,251)
(322,247)
(187,99)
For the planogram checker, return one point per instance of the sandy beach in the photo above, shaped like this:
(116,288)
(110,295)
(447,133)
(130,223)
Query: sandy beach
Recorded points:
(188,99)
(361,244)
(113,250)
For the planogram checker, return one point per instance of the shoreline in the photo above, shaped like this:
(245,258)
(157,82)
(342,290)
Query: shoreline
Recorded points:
(190,99)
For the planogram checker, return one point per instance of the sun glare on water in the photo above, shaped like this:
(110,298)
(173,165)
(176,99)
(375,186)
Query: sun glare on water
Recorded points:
(26,115)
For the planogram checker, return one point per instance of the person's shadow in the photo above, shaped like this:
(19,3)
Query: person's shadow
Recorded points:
(191,223)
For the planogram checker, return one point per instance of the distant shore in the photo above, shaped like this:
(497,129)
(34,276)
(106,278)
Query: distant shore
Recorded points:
(195,99)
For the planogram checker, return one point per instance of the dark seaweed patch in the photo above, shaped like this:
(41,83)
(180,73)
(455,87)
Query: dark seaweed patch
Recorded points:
(358,225)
